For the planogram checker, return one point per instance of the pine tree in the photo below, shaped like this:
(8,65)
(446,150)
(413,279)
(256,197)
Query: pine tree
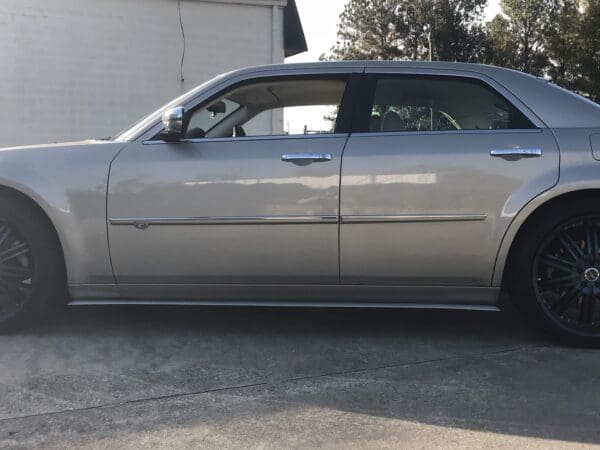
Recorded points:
(589,56)
(448,30)
(526,26)
(555,39)
(564,43)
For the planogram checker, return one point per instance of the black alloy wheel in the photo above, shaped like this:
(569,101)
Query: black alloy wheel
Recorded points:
(567,274)
(17,270)
(553,272)
(32,268)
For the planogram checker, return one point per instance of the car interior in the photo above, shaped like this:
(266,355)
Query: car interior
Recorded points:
(440,104)
(232,114)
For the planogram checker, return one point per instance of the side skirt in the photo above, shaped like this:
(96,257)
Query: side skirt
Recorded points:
(325,296)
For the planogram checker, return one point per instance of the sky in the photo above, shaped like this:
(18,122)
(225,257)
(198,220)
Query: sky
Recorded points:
(320,18)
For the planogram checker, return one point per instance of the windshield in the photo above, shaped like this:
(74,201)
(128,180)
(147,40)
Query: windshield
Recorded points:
(138,127)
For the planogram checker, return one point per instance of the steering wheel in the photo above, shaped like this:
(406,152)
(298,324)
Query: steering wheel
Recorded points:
(239,131)
(195,133)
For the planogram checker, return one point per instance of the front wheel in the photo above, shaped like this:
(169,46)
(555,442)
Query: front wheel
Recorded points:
(555,272)
(31,270)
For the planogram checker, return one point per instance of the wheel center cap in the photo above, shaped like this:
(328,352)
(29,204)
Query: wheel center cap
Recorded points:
(592,274)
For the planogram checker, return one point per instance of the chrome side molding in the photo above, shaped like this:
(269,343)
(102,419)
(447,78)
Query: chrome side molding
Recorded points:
(414,218)
(145,222)
(520,152)
(142,223)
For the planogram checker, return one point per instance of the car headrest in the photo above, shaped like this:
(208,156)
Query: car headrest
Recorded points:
(393,122)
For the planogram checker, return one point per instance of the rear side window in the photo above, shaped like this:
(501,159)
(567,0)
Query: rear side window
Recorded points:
(432,103)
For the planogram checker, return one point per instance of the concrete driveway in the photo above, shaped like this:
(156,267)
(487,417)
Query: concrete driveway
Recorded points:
(200,377)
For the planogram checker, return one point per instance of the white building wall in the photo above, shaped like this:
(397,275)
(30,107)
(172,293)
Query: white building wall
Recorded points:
(72,69)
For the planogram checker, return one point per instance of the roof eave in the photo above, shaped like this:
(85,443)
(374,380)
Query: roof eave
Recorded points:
(293,35)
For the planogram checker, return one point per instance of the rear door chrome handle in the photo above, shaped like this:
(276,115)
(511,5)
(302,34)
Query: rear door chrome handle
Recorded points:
(521,152)
(307,157)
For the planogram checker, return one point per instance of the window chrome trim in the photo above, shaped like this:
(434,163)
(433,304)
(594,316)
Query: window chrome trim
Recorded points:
(446,132)
(343,135)
(408,218)
(145,222)
(250,138)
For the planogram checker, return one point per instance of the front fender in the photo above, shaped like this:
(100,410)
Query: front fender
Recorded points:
(69,183)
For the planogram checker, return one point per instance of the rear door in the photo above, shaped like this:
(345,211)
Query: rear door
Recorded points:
(437,166)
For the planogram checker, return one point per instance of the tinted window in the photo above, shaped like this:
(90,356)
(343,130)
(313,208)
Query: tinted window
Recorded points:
(207,118)
(278,107)
(441,104)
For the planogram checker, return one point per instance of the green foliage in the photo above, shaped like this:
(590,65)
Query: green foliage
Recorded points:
(587,70)
(410,29)
(556,39)
(525,29)
(564,43)
(502,47)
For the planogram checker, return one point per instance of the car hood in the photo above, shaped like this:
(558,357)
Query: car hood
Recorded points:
(88,142)
(20,165)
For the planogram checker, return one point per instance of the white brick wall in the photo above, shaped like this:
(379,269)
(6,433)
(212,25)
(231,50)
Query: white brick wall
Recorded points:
(72,69)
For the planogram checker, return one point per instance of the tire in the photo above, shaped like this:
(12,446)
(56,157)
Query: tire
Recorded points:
(31,264)
(554,271)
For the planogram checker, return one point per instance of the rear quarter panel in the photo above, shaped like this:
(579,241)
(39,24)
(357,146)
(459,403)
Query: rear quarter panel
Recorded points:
(579,171)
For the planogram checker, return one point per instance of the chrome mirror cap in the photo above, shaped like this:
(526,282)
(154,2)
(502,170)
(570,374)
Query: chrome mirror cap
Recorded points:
(173,123)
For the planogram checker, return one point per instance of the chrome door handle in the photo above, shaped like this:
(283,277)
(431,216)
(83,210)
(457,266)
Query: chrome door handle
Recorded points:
(307,157)
(522,152)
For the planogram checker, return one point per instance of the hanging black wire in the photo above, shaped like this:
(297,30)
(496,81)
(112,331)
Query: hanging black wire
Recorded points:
(184,43)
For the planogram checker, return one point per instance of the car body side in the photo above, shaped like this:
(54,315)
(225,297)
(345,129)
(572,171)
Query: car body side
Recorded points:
(69,182)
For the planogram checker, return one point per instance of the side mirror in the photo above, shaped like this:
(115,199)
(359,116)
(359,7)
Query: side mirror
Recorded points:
(173,122)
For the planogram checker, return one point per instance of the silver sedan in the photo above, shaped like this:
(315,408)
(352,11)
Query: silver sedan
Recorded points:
(357,184)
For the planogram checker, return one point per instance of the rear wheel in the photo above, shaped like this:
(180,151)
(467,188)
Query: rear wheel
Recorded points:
(555,273)
(31,270)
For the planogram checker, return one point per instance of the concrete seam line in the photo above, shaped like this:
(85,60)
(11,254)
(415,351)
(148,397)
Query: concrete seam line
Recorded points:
(423,362)
(503,351)
(129,402)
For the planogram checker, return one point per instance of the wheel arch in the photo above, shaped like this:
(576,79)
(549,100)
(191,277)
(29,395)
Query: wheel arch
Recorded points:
(519,226)
(11,192)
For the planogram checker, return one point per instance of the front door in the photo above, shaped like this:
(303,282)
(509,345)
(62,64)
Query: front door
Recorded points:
(434,177)
(250,196)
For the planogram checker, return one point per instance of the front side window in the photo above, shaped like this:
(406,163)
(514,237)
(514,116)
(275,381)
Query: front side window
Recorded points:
(270,108)
(432,103)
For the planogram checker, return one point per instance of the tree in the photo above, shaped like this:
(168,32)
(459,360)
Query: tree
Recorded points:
(521,31)
(448,30)
(502,48)
(556,39)
(564,43)
(589,57)
(366,31)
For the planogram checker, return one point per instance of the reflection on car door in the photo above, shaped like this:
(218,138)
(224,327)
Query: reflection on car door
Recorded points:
(426,203)
(260,209)
(225,212)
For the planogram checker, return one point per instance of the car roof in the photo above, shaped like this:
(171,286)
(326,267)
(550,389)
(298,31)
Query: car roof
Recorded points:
(387,64)
(353,66)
